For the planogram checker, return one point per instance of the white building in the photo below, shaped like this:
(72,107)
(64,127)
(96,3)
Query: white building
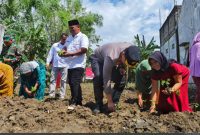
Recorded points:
(189,25)
(2,28)
(179,29)
(176,39)
(169,44)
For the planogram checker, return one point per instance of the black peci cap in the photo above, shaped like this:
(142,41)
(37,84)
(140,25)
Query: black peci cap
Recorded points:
(73,22)
(132,54)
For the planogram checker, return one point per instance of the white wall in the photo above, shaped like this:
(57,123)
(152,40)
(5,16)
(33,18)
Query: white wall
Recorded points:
(164,48)
(171,51)
(189,24)
(189,21)
(183,55)
(2,28)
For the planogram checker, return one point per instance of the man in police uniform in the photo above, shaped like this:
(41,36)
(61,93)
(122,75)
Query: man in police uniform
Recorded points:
(109,63)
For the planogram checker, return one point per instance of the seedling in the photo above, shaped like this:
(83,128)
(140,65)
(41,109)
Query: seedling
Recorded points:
(33,89)
(144,101)
(195,106)
(117,106)
(178,92)
(61,52)
(166,83)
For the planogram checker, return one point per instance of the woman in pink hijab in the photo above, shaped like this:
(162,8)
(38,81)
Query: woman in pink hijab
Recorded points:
(195,64)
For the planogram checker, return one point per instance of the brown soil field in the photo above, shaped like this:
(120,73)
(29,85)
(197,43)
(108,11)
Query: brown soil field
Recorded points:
(19,115)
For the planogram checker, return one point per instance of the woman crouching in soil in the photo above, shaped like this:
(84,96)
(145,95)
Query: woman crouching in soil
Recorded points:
(6,80)
(143,84)
(173,93)
(32,80)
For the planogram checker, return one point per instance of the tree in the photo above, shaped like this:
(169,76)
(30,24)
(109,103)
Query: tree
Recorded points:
(145,49)
(38,23)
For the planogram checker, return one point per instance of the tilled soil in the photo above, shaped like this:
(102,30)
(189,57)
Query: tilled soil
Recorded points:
(51,116)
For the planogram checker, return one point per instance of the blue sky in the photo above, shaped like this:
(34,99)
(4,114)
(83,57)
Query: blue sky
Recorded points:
(125,18)
(115,2)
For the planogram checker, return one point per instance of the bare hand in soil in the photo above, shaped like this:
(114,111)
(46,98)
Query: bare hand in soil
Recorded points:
(29,93)
(140,102)
(111,107)
(167,91)
(152,110)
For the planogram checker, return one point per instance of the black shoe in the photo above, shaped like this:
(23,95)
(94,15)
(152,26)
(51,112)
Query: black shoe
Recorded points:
(79,103)
(72,101)
(97,109)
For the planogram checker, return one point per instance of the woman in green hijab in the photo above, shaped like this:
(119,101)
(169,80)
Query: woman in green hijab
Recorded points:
(143,82)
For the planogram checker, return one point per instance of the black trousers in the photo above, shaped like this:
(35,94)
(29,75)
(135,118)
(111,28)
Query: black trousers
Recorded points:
(117,78)
(75,76)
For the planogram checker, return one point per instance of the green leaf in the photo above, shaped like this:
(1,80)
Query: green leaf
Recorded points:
(33,89)
(167,83)
(178,92)
(162,82)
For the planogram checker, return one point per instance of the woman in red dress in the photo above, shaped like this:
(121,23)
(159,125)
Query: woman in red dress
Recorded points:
(172,95)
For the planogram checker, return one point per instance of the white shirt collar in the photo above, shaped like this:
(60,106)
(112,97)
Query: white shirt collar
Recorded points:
(59,43)
(77,35)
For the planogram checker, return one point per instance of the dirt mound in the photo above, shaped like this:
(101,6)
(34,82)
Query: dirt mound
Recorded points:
(29,115)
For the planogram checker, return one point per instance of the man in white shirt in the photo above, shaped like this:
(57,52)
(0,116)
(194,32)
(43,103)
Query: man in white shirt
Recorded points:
(59,64)
(77,44)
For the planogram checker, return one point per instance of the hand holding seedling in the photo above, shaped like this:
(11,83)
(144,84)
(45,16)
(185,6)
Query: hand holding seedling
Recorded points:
(61,52)
(168,90)
(165,83)
(33,89)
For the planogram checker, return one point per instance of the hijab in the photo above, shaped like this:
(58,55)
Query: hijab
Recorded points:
(196,39)
(161,59)
(28,67)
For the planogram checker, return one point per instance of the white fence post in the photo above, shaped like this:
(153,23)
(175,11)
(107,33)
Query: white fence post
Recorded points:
(2,28)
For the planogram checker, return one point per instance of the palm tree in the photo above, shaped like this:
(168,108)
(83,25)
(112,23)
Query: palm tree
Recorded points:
(145,49)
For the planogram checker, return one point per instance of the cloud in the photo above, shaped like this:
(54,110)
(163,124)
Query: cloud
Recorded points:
(123,19)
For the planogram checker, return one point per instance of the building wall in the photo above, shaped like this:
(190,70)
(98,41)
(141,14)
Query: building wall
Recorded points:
(184,55)
(2,28)
(169,48)
(170,25)
(189,22)
(172,47)
(189,25)
(168,41)
(164,49)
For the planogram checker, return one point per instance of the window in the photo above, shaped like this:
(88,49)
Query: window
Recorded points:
(166,50)
(173,46)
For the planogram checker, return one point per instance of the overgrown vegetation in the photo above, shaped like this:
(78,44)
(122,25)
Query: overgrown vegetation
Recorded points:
(37,24)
